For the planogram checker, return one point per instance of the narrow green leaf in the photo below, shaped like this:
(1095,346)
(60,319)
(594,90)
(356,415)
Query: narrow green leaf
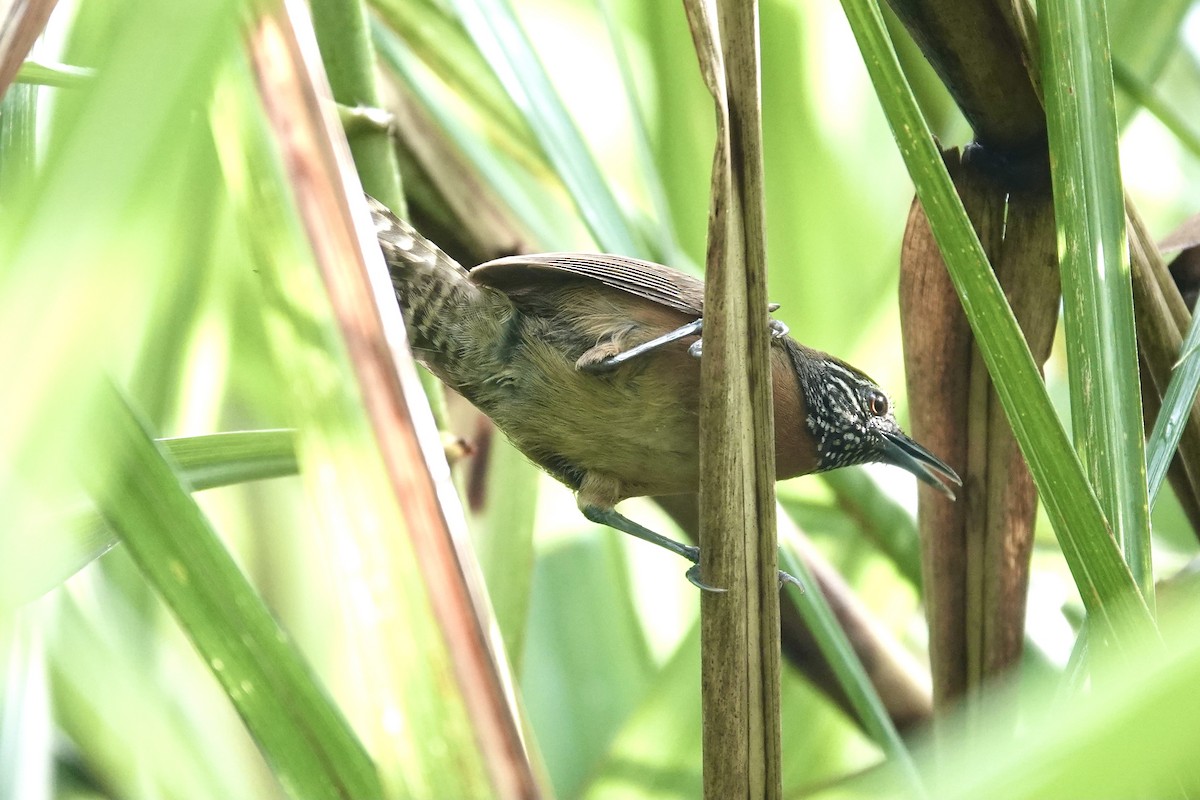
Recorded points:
(1176,405)
(665,245)
(845,663)
(503,42)
(1093,253)
(63,76)
(1145,95)
(223,459)
(1101,574)
(882,520)
(38,560)
(1136,738)
(436,37)
(1144,37)
(146,727)
(300,731)
(525,204)
(575,728)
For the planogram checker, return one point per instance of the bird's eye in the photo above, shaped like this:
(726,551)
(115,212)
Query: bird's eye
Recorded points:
(877,403)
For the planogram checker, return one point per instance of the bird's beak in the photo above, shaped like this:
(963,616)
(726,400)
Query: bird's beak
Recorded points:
(903,452)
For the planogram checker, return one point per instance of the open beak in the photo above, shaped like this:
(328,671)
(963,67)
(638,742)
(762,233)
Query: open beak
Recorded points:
(903,452)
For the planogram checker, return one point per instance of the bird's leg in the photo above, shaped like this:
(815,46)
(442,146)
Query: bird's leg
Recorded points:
(614,519)
(608,363)
(614,361)
(778,331)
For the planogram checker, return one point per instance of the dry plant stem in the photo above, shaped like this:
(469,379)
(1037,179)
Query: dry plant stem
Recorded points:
(901,682)
(739,627)
(937,345)
(975,553)
(973,49)
(292,88)
(22,24)
(1026,265)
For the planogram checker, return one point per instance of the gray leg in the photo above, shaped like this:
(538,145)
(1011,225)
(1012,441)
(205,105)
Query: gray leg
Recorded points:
(614,519)
(612,362)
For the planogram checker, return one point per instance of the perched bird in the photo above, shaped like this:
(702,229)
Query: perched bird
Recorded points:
(588,363)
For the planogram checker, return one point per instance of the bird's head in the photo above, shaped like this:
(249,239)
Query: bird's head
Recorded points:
(852,422)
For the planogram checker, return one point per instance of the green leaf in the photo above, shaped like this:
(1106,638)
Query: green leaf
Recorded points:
(1093,254)
(499,36)
(1178,124)
(300,731)
(883,521)
(1177,404)
(853,677)
(40,559)
(526,203)
(575,726)
(63,76)
(1136,738)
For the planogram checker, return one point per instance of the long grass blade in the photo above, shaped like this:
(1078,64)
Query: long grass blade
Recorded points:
(1094,259)
(1141,91)
(40,559)
(62,76)
(299,730)
(22,24)
(845,662)
(1172,417)
(503,42)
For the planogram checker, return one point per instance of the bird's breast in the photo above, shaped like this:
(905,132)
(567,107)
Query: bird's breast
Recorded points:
(638,424)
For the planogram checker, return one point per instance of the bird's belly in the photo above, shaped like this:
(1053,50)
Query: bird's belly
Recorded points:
(638,425)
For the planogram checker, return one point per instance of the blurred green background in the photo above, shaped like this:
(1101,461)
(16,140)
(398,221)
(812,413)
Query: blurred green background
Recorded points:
(128,248)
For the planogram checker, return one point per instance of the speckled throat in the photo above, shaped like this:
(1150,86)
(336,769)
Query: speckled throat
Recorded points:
(831,392)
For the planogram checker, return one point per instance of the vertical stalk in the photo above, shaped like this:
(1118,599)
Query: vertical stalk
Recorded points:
(1094,257)
(740,626)
(349,59)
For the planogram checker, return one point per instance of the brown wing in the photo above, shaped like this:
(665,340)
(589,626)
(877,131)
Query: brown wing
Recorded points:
(659,284)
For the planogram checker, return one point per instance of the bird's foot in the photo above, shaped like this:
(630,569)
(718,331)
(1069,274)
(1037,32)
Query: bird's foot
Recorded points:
(786,577)
(693,573)
(692,553)
(778,331)
(613,519)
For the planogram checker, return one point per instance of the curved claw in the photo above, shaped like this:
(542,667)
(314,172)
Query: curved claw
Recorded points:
(778,329)
(786,578)
(693,576)
(696,348)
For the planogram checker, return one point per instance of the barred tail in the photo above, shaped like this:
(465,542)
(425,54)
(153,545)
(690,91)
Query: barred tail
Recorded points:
(454,324)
